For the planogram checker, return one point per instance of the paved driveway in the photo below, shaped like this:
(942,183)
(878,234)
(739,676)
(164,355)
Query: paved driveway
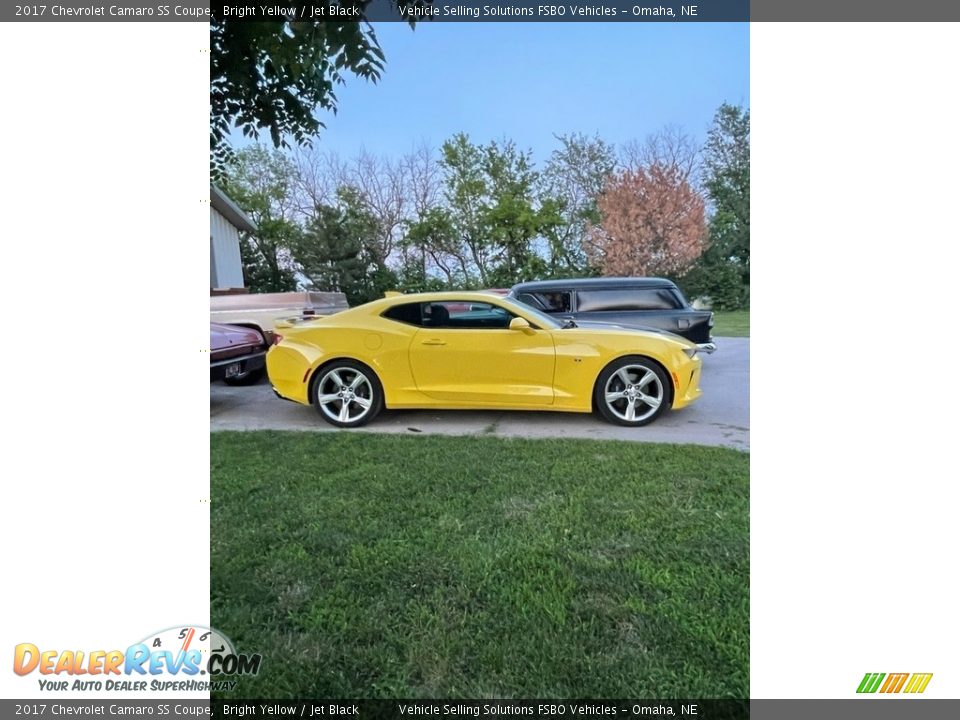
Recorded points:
(720,417)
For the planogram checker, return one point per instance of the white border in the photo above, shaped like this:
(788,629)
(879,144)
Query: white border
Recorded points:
(856,155)
(105,513)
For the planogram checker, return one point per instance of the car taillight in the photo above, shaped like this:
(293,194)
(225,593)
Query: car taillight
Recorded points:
(277,339)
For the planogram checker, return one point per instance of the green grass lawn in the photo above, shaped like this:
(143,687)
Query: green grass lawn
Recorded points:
(365,565)
(732,323)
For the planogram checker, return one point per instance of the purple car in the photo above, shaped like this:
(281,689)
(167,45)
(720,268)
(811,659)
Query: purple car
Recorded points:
(237,354)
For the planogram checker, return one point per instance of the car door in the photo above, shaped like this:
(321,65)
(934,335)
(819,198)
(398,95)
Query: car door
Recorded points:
(466,353)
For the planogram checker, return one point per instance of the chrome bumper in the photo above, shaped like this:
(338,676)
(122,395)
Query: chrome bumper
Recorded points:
(708,348)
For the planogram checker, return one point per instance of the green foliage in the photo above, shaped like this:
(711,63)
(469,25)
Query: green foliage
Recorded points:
(466,195)
(727,182)
(433,235)
(261,182)
(274,76)
(495,210)
(260,275)
(412,277)
(721,281)
(479,215)
(338,250)
(574,177)
(723,272)
(434,567)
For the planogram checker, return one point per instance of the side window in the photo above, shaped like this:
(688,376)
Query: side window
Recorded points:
(627,299)
(553,302)
(531,300)
(409,314)
(467,315)
(681,298)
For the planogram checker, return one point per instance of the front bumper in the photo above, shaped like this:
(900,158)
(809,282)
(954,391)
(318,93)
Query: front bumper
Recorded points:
(707,348)
(687,384)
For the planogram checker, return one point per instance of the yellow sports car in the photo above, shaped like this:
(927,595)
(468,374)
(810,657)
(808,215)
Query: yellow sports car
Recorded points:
(462,350)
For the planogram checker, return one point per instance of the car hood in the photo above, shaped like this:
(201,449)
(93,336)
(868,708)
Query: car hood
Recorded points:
(610,327)
(226,336)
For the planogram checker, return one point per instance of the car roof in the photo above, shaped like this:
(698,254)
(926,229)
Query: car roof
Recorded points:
(606,282)
(445,296)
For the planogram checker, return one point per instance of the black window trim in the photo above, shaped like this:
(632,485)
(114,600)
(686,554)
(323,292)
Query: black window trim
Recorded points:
(421,303)
(403,322)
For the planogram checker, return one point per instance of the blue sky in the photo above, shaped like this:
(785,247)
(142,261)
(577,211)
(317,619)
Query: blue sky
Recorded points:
(529,81)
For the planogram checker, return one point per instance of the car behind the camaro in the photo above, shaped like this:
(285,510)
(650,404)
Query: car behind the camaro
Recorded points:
(477,351)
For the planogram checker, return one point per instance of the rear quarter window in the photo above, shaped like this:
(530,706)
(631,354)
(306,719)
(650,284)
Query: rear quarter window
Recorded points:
(554,301)
(410,313)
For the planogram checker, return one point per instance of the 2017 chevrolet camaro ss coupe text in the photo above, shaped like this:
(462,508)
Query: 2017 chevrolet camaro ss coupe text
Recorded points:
(477,351)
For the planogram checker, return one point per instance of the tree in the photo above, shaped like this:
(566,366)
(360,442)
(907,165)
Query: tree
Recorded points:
(260,181)
(653,223)
(574,177)
(320,175)
(494,209)
(727,183)
(514,216)
(466,197)
(420,173)
(723,272)
(671,147)
(338,250)
(434,236)
(273,76)
(382,188)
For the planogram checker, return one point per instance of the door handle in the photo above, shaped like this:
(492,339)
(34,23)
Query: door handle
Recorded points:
(433,342)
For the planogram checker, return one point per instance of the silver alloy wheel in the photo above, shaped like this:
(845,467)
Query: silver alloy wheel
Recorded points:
(633,393)
(345,394)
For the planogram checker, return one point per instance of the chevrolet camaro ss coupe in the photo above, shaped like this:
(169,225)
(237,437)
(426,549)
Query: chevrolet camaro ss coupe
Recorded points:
(461,350)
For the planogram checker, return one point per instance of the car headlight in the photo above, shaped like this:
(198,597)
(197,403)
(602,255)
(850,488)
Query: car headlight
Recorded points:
(691,352)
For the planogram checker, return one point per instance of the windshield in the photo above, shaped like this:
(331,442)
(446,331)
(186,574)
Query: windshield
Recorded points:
(542,319)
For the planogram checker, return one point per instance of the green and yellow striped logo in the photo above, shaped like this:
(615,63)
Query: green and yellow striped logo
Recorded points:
(894,682)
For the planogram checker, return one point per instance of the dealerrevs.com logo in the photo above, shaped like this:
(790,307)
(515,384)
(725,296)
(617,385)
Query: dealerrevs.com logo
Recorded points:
(894,683)
(182,658)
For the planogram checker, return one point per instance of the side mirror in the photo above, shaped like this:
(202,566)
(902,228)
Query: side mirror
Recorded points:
(518,323)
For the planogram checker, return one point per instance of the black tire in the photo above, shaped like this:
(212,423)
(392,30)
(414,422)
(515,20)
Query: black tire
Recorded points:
(636,381)
(357,383)
(250,378)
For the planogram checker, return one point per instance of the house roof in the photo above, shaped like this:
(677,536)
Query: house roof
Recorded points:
(228,208)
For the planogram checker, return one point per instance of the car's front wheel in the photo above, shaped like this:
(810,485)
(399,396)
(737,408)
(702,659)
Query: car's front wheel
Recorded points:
(632,391)
(347,394)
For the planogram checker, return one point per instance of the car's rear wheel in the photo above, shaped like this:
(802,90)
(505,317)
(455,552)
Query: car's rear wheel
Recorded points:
(632,391)
(347,393)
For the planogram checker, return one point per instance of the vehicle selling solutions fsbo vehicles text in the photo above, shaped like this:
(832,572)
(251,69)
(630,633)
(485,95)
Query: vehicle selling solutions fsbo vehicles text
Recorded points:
(429,12)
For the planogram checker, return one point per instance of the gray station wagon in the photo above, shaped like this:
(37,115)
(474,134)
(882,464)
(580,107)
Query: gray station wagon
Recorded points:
(646,303)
